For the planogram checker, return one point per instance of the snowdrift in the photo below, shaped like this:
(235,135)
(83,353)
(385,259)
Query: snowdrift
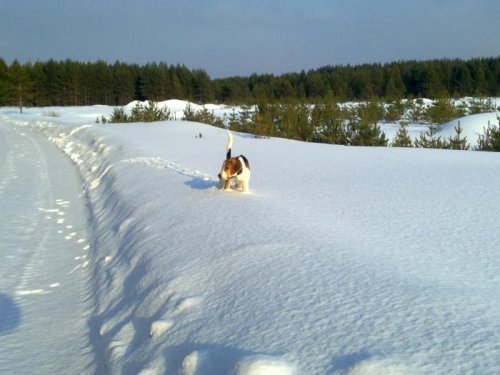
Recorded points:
(341,260)
(473,126)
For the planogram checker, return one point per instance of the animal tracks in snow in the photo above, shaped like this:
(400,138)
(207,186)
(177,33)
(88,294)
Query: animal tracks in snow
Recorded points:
(159,163)
(57,212)
(32,292)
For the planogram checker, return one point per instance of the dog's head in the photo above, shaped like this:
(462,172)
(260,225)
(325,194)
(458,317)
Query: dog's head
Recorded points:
(230,168)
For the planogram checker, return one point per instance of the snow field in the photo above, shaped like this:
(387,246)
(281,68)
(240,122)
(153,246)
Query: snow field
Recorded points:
(341,260)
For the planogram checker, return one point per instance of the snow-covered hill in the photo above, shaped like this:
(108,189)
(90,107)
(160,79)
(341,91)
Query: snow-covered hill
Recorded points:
(340,260)
(473,126)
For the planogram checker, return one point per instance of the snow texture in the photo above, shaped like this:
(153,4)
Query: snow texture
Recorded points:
(341,260)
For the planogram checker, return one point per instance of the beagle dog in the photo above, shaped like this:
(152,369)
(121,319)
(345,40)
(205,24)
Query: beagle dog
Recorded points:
(234,169)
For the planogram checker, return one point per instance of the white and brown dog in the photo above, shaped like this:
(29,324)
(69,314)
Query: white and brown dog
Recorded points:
(234,169)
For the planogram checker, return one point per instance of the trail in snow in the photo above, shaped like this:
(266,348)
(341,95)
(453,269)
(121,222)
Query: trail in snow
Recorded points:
(43,250)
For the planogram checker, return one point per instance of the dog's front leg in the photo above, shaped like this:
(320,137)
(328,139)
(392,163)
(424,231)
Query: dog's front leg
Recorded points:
(244,186)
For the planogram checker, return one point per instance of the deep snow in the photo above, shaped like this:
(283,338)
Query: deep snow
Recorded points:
(340,260)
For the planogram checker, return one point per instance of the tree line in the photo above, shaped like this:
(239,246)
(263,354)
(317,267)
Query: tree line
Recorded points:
(65,83)
(335,123)
(68,82)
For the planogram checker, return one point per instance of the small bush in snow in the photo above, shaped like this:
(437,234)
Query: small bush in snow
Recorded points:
(52,114)
(490,140)
(457,142)
(428,140)
(394,111)
(149,112)
(480,105)
(119,115)
(442,111)
(203,115)
(402,138)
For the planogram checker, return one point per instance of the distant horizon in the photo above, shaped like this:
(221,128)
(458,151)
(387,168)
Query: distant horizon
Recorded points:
(9,62)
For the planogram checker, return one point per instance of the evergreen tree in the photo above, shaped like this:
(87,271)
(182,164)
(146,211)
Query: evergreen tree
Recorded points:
(264,120)
(327,123)
(4,94)
(461,83)
(363,129)
(124,78)
(416,111)
(394,111)
(148,112)
(247,120)
(298,126)
(73,77)
(19,84)
(339,84)
(428,139)
(490,140)
(480,105)
(457,142)
(153,82)
(178,90)
(185,77)
(362,133)
(118,116)
(442,111)
(478,75)
(315,85)
(201,87)
(189,113)
(402,138)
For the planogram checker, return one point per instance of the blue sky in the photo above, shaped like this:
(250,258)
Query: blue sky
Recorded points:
(236,37)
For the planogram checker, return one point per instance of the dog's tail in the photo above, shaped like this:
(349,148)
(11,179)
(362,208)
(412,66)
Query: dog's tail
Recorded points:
(229,144)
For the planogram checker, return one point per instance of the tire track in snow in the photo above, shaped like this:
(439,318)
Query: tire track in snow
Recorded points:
(19,219)
(46,326)
(8,172)
(43,194)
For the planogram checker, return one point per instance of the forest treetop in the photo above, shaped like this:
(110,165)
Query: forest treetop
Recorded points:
(69,82)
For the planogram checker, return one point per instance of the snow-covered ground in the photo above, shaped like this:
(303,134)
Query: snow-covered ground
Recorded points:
(341,260)
(473,125)
(43,243)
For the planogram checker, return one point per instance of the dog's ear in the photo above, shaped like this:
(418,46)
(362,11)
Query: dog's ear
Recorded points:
(228,155)
(237,166)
